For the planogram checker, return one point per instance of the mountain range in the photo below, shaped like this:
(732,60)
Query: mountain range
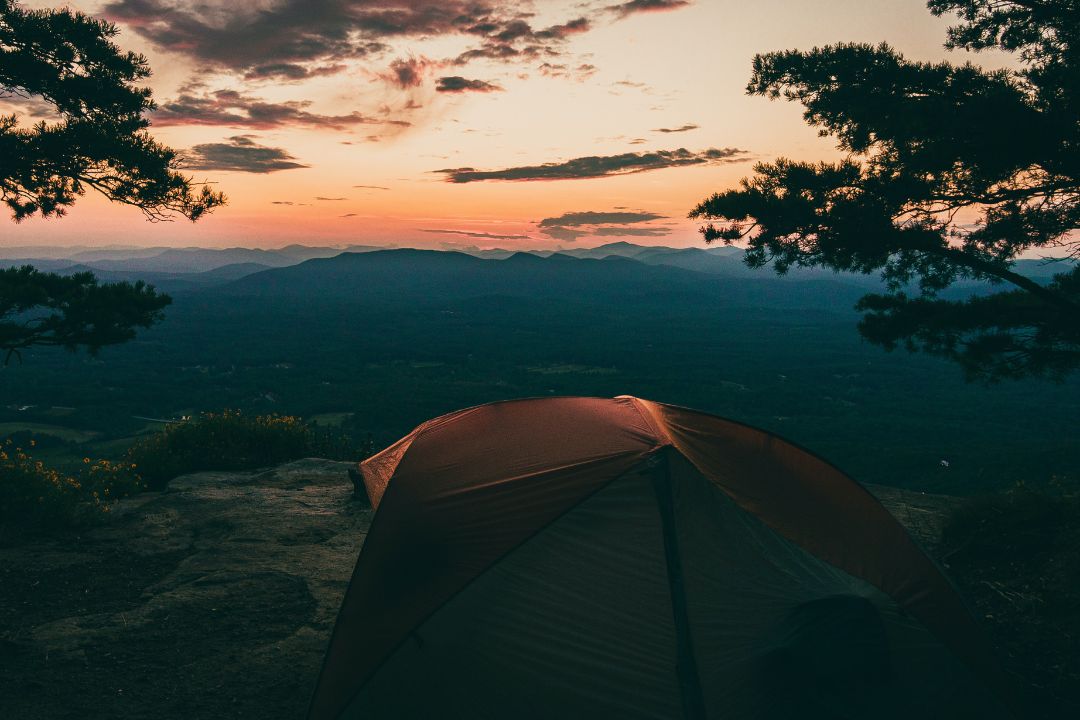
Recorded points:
(614,269)
(418,277)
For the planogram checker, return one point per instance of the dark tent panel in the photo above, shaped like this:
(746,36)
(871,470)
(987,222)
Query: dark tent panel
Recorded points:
(590,631)
(584,557)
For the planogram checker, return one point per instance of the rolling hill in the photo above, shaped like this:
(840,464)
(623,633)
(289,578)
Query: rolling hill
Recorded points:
(413,276)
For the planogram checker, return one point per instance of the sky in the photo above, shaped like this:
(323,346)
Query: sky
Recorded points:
(466,123)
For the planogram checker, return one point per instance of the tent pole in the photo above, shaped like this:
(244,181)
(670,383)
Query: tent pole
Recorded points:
(693,702)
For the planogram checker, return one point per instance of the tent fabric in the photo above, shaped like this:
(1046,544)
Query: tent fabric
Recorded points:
(778,628)
(596,627)
(583,557)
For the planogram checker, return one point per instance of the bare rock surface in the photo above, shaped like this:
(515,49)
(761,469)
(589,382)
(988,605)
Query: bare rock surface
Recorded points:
(212,599)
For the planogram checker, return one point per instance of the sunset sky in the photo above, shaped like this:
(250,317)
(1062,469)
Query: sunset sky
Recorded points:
(454,123)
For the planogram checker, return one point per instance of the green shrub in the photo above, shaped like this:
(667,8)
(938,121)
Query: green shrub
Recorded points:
(231,440)
(103,482)
(33,495)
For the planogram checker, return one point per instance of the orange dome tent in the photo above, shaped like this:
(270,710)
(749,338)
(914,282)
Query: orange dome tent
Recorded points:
(590,558)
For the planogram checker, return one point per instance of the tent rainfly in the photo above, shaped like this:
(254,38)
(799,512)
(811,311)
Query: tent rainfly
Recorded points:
(621,558)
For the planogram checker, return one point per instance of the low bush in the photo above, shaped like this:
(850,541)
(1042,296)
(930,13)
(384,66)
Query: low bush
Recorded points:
(231,440)
(103,482)
(33,495)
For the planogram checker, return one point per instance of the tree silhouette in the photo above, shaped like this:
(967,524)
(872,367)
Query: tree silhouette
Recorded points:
(951,172)
(47,309)
(99,141)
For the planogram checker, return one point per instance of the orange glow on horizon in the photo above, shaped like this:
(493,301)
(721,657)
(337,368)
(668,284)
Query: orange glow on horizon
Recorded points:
(625,82)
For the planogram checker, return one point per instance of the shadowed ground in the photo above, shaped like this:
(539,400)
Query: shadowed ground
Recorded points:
(214,598)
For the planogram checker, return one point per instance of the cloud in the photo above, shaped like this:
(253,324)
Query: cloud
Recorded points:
(240,154)
(682,128)
(348,215)
(371,187)
(561,70)
(573,225)
(501,52)
(240,37)
(516,40)
(458,84)
(561,32)
(291,41)
(291,71)
(589,217)
(596,166)
(330,199)
(238,109)
(33,107)
(565,234)
(642,6)
(408,73)
(468,233)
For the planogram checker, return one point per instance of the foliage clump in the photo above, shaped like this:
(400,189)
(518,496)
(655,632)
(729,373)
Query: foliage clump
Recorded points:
(99,139)
(33,495)
(950,172)
(231,440)
(71,311)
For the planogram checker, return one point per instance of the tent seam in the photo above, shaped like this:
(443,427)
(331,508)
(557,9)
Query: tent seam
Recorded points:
(659,428)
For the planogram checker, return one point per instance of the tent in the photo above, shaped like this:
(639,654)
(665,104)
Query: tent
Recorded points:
(595,558)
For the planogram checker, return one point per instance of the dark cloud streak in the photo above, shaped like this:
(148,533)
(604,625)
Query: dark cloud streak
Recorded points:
(237,109)
(634,7)
(590,217)
(240,154)
(570,226)
(682,128)
(471,234)
(290,71)
(597,166)
(562,70)
(458,84)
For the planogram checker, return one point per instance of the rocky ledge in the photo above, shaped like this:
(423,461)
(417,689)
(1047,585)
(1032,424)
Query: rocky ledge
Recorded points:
(212,599)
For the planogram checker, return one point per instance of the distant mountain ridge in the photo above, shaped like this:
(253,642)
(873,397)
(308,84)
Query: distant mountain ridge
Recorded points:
(418,277)
(176,269)
(166,259)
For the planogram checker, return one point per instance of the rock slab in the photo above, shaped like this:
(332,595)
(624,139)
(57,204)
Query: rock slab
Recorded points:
(214,598)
